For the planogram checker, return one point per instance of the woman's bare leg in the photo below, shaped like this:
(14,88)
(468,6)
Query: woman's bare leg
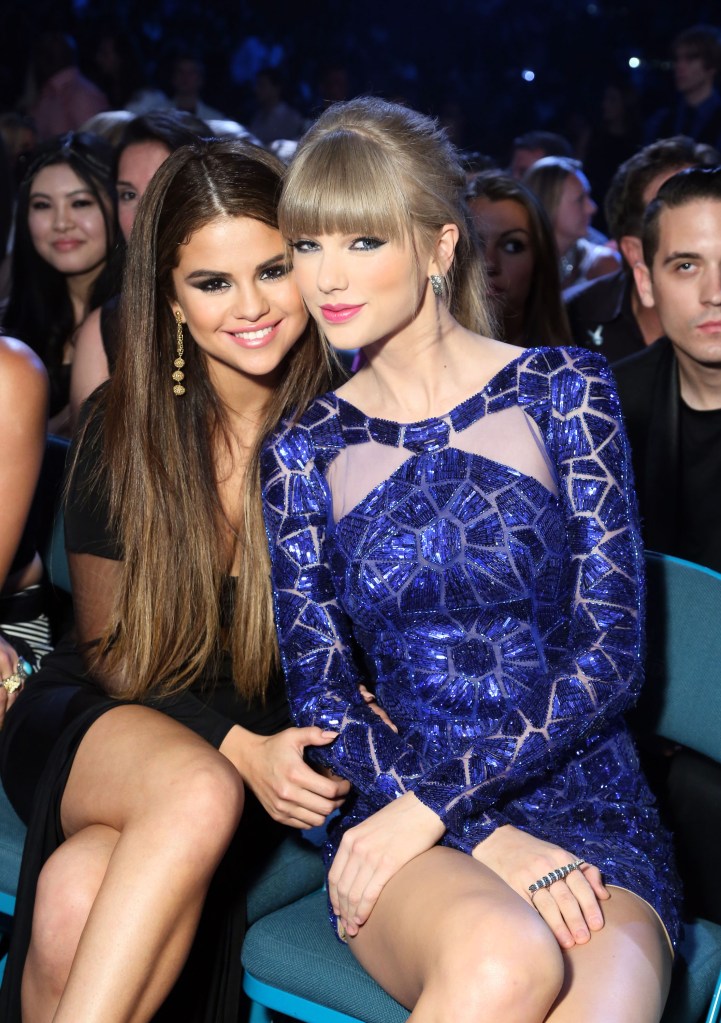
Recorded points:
(622,974)
(67,888)
(169,804)
(451,940)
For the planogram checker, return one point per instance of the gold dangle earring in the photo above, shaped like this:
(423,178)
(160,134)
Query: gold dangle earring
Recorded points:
(178,375)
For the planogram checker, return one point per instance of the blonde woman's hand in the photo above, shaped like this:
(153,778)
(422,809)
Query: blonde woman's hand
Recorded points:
(571,907)
(273,767)
(373,851)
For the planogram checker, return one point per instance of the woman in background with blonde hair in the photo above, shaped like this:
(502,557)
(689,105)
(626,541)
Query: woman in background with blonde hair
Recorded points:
(564,192)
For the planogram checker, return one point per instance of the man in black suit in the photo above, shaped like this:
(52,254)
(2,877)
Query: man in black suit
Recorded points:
(671,391)
(671,399)
(607,314)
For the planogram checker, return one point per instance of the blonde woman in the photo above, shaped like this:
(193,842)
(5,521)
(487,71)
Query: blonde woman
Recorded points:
(455,527)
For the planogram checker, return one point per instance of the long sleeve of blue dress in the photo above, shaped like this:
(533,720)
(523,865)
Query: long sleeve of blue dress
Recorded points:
(563,651)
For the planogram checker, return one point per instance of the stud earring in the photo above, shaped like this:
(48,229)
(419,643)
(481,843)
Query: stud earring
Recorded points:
(438,285)
(179,362)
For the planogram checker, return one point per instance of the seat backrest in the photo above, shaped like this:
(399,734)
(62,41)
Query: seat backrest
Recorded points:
(682,695)
(50,493)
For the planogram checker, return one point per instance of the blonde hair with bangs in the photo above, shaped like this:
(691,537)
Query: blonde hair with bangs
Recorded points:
(372,167)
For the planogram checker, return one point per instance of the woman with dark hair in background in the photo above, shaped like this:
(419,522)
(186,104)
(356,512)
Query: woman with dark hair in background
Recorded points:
(521,261)
(138,749)
(66,253)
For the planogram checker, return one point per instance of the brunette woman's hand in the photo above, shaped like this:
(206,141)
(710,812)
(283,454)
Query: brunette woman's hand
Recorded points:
(371,702)
(274,769)
(373,851)
(570,906)
(8,666)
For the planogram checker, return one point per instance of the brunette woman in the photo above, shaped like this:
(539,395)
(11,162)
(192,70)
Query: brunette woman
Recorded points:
(521,260)
(137,751)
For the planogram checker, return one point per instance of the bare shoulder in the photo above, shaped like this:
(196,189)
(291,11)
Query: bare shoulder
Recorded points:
(23,380)
(89,332)
(486,358)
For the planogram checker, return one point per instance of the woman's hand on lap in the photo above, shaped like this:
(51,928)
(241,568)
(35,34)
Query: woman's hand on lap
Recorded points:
(289,789)
(570,906)
(372,852)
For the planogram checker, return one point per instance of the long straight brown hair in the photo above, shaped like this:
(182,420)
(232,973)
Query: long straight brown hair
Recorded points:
(160,452)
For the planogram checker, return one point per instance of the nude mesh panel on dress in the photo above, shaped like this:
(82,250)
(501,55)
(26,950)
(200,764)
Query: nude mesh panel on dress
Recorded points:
(508,437)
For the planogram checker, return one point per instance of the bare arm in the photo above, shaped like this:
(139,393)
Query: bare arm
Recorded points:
(605,261)
(90,364)
(23,417)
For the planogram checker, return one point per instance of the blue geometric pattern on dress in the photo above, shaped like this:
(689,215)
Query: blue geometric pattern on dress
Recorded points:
(500,625)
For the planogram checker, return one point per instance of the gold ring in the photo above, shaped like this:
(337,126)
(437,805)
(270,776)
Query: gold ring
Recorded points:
(13,682)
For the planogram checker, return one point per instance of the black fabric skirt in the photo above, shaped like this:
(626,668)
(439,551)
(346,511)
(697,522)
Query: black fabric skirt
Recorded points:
(37,748)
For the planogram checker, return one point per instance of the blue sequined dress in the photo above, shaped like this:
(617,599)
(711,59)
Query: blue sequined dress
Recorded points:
(483,573)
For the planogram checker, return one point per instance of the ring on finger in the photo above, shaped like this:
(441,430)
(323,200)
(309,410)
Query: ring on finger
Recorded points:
(554,875)
(13,682)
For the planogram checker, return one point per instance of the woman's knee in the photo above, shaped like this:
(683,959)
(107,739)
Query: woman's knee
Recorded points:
(516,971)
(136,767)
(204,808)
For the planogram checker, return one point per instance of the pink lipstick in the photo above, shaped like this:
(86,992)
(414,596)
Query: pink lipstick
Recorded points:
(339,313)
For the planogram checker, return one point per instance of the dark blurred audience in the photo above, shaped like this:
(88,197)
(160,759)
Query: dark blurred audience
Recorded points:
(187,81)
(611,138)
(697,111)
(65,98)
(533,146)
(274,119)
(118,67)
(18,133)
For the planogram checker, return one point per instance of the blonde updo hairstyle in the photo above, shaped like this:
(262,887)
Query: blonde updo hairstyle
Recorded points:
(376,168)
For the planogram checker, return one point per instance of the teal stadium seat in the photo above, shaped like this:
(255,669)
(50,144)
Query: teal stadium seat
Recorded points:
(294,964)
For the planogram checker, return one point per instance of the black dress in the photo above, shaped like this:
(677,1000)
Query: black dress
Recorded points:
(38,743)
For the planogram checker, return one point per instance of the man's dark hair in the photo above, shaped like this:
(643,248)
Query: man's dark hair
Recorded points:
(172,128)
(551,143)
(696,183)
(704,41)
(624,206)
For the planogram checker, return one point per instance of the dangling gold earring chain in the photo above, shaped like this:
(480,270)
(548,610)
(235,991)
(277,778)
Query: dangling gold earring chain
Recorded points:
(178,375)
